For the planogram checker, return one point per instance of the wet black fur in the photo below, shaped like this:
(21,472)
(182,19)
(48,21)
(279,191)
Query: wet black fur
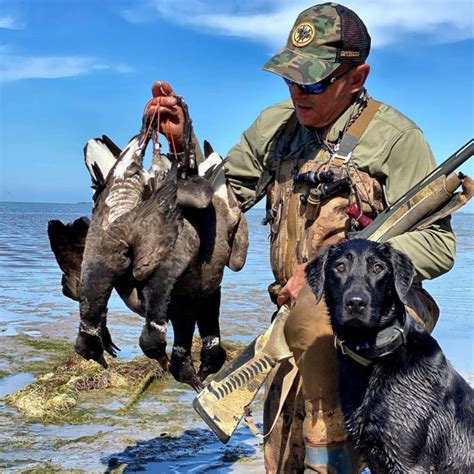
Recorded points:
(409,411)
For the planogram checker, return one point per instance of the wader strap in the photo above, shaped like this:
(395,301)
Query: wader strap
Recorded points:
(284,135)
(291,234)
(285,390)
(351,138)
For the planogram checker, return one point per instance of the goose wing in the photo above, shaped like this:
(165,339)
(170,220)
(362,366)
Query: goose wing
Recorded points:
(100,156)
(156,224)
(67,243)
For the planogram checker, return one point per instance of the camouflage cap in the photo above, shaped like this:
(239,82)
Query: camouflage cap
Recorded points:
(322,38)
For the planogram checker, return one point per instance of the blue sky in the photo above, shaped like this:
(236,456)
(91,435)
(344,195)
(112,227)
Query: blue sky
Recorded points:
(75,69)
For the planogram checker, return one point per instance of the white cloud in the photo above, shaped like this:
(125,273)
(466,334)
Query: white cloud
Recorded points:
(8,22)
(14,67)
(389,21)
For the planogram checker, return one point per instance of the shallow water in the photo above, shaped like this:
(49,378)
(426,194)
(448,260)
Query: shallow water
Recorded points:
(162,433)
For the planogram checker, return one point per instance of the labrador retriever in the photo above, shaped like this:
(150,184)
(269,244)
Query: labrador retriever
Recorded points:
(405,407)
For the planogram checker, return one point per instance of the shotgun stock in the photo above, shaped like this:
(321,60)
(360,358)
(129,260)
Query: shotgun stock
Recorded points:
(223,401)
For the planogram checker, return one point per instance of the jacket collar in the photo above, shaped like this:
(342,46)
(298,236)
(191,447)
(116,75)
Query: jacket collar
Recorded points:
(339,127)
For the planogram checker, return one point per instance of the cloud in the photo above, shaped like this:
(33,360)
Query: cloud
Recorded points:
(8,22)
(389,21)
(14,67)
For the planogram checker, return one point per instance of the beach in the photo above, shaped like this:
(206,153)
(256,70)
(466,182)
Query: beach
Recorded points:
(162,433)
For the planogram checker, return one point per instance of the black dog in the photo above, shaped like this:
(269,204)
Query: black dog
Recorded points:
(405,408)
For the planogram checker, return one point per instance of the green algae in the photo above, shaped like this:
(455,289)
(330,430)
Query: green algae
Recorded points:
(52,469)
(64,379)
(60,442)
(53,396)
(45,344)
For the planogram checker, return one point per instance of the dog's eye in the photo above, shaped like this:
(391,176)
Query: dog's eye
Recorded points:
(377,268)
(340,268)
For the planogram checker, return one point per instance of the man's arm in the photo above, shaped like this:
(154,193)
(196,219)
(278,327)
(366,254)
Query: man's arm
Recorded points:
(432,250)
(247,159)
(244,163)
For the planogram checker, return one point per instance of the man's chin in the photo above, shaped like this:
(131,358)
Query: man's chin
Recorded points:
(306,117)
(310,121)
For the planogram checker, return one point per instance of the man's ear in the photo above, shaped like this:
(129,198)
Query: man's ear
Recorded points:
(403,271)
(358,77)
(315,274)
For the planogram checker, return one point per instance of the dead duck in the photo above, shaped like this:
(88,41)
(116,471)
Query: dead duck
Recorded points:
(168,255)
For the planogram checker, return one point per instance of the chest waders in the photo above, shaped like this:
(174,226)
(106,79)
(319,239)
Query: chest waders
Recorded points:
(309,433)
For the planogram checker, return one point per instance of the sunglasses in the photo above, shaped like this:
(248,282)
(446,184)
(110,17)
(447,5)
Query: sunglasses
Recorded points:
(317,87)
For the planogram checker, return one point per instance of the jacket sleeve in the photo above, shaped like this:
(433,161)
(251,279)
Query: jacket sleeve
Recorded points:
(244,163)
(432,250)
(248,159)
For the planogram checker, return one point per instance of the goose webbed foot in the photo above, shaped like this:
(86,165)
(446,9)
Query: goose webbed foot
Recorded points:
(89,346)
(182,368)
(153,342)
(213,357)
(109,346)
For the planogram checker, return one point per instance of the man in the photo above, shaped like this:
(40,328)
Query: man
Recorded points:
(368,154)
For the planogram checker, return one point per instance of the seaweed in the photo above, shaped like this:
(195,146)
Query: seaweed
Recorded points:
(55,396)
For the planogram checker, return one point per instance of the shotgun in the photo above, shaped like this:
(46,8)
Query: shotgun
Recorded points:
(223,402)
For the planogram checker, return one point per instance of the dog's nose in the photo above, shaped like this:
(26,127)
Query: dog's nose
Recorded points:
(356,303)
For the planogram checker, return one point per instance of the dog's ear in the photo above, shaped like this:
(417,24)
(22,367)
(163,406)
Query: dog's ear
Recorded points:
(316,274)
(403,271)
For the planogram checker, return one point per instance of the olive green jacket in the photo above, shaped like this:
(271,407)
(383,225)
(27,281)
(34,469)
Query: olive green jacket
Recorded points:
(392,149)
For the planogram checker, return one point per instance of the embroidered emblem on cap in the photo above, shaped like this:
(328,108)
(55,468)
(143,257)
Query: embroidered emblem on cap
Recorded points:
(349,54)
(303,34)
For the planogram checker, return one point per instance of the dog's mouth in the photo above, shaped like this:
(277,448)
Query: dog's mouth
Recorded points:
(356,324)
(357,332)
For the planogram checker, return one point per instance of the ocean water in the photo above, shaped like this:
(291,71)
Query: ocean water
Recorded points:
(32,304)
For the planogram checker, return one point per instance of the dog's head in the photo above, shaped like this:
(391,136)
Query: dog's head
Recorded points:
(365,285)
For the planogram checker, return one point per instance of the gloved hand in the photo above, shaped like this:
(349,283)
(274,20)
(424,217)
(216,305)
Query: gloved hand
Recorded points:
(170,112)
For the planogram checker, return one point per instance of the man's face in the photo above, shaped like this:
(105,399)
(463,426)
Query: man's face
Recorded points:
(321,110)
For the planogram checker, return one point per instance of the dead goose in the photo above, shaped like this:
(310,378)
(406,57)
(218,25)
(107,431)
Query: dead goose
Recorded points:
(128,231)
(181,283)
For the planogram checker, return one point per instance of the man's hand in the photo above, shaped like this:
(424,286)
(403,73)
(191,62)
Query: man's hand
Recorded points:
(170,114)
(295,284)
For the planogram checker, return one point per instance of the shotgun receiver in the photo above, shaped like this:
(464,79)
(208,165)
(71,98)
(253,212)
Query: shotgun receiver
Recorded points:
(222,403)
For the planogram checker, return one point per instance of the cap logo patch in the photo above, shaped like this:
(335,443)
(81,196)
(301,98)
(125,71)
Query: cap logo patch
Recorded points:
(303,34)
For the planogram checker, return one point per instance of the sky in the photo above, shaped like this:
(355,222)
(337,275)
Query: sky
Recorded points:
(71,70)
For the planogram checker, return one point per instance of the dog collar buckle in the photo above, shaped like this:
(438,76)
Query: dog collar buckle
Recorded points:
(338,344)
